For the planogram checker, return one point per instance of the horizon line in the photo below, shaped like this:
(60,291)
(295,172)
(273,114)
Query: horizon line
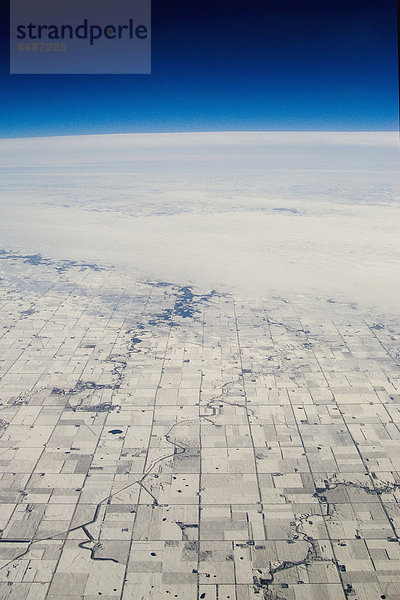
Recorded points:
(205,131)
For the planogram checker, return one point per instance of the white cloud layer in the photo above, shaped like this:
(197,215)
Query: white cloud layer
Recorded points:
(255,213)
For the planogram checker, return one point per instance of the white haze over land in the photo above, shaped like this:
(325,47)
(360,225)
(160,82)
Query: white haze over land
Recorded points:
(251,213)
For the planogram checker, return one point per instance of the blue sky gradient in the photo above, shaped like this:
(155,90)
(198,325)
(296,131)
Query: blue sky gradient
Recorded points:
(256,65)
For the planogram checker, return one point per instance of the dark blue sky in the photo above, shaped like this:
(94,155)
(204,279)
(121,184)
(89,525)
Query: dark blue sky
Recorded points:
(254,65)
